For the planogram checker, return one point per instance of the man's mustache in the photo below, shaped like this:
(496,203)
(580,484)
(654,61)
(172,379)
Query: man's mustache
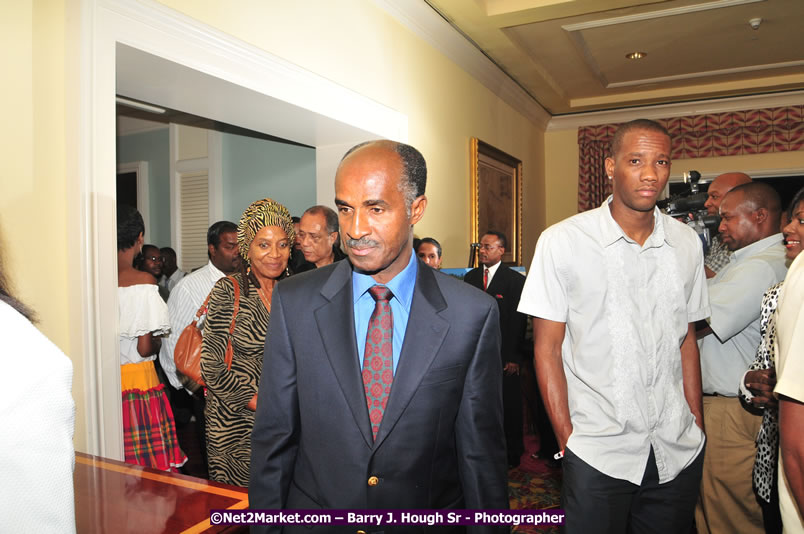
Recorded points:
(363,242)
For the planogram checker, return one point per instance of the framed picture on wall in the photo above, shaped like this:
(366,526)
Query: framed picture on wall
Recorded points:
(497,197)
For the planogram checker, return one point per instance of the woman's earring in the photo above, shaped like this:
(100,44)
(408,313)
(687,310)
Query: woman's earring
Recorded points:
(287,271)
(248,270)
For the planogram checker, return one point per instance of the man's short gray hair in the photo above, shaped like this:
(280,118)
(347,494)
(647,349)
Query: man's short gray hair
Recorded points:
(414,169)
(329,215)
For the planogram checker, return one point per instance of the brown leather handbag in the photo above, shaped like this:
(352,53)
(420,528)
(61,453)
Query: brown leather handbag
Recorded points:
(187,353)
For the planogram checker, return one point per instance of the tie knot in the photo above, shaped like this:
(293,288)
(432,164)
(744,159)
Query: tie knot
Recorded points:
(380,293)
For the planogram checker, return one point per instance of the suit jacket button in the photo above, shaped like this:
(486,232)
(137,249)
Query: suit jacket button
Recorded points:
(373,481)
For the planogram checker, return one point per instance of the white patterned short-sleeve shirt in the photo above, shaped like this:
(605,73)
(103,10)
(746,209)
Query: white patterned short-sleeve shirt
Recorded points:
(627,309)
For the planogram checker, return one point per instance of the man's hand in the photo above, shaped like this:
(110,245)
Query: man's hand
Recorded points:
(761,383)
(691,376)
(709,272)
(511,368)
(547,360)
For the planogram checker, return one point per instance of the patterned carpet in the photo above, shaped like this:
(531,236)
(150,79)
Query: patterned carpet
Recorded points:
(534,485)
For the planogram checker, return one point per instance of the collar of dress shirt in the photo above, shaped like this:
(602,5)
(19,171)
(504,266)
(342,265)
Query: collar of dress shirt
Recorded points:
(492,269)
(611,232)
(756,246)
(400,285)
(214,272)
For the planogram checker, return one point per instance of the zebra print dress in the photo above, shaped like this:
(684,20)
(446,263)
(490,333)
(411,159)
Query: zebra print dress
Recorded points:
(229,421)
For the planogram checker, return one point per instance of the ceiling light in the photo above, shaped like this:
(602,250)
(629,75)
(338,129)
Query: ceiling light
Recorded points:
(636,55)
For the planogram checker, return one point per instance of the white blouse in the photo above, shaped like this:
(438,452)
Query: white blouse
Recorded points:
(37,417)
(142,310)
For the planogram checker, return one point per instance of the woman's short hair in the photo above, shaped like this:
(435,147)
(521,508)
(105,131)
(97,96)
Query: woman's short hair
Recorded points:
(129,226)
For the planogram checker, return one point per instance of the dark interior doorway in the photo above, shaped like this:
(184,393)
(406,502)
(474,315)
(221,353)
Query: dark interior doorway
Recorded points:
(127,188)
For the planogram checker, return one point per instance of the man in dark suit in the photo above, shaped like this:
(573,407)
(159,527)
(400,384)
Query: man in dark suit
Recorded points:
(421,425)
(505,285)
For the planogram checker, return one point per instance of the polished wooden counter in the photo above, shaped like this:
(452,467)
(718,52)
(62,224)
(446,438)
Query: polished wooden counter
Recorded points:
(112,496)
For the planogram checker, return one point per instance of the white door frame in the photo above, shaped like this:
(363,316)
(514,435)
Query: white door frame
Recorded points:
(331,115)
(140,168)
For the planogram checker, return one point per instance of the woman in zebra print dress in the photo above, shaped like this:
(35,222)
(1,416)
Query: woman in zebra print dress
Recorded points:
(265,236)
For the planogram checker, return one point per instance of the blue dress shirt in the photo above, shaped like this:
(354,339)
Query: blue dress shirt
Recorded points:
(401,286)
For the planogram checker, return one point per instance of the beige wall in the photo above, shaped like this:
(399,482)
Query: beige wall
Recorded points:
(561,174)
(37,55)
(357,45)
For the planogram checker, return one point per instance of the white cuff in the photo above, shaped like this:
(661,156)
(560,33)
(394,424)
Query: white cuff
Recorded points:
(744,390)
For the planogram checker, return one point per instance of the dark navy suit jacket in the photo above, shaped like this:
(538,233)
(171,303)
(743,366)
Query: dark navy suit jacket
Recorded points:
(441,441)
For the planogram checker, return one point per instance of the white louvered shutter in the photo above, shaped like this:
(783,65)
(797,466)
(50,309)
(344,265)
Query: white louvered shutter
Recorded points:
(194,219)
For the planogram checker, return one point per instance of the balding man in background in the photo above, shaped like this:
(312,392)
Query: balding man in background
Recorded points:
(319,238)
(718,254)
(750,229)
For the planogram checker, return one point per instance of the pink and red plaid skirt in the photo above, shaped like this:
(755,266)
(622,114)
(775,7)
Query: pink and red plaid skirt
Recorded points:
(149,430)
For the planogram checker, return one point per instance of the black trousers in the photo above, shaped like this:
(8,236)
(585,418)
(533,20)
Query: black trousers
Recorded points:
(596,503)
(512,418)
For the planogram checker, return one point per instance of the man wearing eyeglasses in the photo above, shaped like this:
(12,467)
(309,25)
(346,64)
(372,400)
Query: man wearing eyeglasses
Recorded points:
(151,262)
(318,236)
(505,285)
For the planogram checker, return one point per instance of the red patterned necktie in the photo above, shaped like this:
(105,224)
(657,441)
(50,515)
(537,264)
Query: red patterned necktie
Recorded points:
(378,371)
(485,279)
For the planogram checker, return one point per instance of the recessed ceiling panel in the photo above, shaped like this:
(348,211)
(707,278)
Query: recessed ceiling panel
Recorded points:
(703,43)
(696,49)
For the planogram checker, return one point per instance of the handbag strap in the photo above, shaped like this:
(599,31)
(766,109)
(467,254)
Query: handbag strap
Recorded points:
(229,348)
(203,309)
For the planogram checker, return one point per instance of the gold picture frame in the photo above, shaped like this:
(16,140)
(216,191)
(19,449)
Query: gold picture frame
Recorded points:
(496,182)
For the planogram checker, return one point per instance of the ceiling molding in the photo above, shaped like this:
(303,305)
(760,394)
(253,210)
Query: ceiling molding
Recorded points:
(693,75)
(664,111)
(429,25)
(648,15)
(776,173)
(131,125)
(209,51)
(708,176)
(576,38)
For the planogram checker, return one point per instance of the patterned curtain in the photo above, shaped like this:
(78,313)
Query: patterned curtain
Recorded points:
(593,184)
(757,131)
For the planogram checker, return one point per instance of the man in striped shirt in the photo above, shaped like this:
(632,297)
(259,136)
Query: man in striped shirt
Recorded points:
(188,295)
